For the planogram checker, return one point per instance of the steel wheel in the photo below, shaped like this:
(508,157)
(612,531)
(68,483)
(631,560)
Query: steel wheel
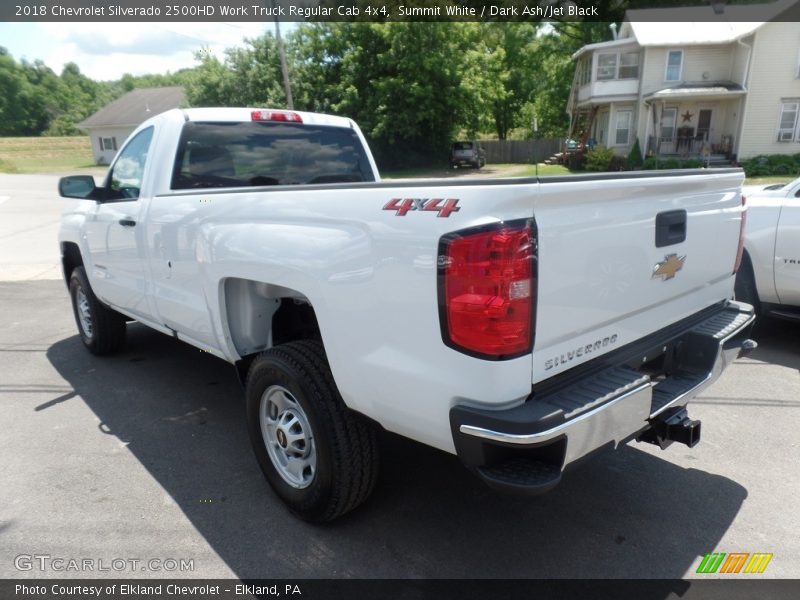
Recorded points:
(288,437)
(101,329)
(84,313)
(319,457)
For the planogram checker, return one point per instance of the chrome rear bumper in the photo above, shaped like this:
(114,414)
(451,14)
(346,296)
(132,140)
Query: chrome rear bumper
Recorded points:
(616,400)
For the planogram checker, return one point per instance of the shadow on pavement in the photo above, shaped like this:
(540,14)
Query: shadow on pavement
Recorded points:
(180,411)
(779,342)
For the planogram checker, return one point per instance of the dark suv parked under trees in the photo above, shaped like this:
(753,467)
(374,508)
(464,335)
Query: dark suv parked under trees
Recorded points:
(467,153)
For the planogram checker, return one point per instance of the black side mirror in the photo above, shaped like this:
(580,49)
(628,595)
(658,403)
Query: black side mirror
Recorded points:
(78,186)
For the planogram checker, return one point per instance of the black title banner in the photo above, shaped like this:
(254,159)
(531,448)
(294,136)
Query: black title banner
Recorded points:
(395,10)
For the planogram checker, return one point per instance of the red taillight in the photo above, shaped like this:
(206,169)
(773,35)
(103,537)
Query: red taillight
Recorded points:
(742,227)
(275,115)
(487,288)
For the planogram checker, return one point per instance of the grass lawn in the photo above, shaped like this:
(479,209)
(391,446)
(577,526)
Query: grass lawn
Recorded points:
(45,154)
(492,170)
(770,179)
(524,170)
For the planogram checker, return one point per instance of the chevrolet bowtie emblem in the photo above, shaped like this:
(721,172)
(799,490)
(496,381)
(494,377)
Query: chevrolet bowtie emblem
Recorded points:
(667,269)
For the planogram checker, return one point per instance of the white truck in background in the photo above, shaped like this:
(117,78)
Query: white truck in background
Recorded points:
(521,324)
(770,275)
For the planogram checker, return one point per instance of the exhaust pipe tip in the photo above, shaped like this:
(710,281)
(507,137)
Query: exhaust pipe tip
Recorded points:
(747,347)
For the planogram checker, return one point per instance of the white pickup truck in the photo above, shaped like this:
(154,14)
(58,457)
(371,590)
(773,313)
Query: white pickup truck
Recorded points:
(521,324)
(770,275)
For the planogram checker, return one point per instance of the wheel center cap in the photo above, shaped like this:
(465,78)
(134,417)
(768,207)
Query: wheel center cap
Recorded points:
(281,438)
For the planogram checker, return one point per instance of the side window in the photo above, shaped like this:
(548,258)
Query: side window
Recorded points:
(674,65)
(789,127)
(125,180)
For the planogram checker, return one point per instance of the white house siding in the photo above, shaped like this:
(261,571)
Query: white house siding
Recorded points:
(118,134)
(714,61)
(739,64)
(773,77)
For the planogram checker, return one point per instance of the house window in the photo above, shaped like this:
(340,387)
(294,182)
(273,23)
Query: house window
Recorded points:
(622,127)
(797,71)
(618,66)
(606,66)
(674,64)
(629,65)
(108,143)
(586,70)
(789,128)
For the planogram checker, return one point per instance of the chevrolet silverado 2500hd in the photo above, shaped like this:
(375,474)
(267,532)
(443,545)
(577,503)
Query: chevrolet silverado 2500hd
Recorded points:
(770,275)
(521,324)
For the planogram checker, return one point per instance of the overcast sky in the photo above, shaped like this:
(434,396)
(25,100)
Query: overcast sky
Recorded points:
(107,50)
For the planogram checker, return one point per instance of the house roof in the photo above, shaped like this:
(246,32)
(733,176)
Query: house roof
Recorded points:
(700,24)
(135,107)
(609,44)
(705,89)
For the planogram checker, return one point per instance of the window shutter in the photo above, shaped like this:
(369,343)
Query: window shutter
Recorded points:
(114,143)
(100,139)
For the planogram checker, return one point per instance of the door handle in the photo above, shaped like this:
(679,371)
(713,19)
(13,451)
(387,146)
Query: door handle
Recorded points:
(670,228)
(127,222)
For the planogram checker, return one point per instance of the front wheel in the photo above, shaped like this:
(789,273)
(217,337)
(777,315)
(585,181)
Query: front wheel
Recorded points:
(319,457)
(102,329)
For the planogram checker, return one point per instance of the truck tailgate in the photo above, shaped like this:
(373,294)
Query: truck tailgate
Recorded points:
(620,260)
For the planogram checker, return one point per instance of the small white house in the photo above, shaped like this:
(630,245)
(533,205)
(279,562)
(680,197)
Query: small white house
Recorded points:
(725,85)
(110,126)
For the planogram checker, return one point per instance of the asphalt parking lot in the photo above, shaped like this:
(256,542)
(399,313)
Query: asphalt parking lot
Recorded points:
(145,455)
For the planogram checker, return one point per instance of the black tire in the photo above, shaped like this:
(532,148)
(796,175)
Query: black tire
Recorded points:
(105,332)
(745,287)
(344,443)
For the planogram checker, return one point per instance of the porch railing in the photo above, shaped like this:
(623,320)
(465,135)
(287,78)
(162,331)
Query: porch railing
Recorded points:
(694,145)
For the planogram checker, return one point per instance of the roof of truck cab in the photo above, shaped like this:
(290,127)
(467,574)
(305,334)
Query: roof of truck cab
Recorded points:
(236,115)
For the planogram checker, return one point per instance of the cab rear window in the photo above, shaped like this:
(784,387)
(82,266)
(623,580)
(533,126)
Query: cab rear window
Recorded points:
(214,155)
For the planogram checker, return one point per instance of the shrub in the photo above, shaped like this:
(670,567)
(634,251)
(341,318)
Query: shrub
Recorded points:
(634,160)
(650,163)
(773,164)
(670,163)
(692,163)
(575,161)
(599,158)
(618,163)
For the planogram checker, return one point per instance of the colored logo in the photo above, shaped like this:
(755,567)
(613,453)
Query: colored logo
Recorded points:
(734,562)
(443,208)
(669,266)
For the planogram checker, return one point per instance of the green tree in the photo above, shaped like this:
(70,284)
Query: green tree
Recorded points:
(248,76)
(555,70)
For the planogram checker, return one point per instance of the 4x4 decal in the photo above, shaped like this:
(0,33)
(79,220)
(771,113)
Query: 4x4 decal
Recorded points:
(402,206)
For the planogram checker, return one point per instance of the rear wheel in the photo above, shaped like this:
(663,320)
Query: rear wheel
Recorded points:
(102,329)
(319,457)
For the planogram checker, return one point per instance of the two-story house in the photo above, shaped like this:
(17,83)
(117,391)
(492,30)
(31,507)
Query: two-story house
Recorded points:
(725,86)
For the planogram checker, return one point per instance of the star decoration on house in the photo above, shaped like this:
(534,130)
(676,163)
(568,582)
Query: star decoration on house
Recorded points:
(687,117)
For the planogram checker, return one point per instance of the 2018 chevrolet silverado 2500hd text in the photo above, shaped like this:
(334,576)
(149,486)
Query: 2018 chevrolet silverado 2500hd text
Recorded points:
(770,275)
(521,324)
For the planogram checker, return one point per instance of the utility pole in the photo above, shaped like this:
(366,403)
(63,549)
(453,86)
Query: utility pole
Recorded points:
(287,86)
